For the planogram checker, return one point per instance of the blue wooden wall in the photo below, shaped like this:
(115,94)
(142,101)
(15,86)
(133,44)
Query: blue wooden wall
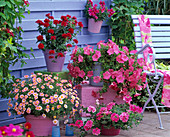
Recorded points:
(38,11)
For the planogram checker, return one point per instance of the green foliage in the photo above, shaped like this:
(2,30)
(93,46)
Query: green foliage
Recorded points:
(157,7)
(10,47)
(121,22)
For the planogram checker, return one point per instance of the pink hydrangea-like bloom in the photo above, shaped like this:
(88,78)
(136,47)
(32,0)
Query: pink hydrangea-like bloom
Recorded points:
(120,79)
(96,131)
(106,75)
(81,73)
(79,123)
(91,109)
(89,74)
(115,117)
(124,117)
(127,98)
(80,58)
(88,125)
(14,130)
(96,79)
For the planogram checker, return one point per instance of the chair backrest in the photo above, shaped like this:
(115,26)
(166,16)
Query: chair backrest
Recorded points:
(160,34)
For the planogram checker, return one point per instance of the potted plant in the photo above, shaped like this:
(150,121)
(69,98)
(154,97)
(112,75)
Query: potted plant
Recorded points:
(44,98)
(55,37)
(96,15)
(120,70)
(109,119)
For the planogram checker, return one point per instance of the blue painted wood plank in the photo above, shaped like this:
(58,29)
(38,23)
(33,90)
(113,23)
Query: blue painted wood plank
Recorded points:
(12,121)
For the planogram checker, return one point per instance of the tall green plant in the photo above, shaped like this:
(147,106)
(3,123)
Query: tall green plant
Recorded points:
(157,7)
(121,22)
(11,49)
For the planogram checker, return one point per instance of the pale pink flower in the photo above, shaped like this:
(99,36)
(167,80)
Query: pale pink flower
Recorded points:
(120,79)
(81,74)
(115,117)
(28,110)
(89,74)
(106,75)
(96,79)
(80,58)
(91,109)
(96,131)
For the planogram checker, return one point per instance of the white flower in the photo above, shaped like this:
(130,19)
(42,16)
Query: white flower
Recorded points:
(66,121)
(55,121)
(65,106)
(44,115)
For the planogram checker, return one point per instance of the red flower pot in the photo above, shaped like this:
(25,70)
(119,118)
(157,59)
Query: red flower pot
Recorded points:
(40,126)
(109,132)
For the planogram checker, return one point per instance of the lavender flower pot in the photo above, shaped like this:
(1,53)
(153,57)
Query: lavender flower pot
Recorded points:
(53,64)
(94,26)
(96,72)
(109,132)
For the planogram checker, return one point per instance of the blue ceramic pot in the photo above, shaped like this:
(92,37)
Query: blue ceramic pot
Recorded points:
(69,131)
(56,131)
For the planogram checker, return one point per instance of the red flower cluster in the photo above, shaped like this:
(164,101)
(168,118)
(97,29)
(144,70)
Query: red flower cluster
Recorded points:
(51,52)
(40,38)
(60,54)
(41,46)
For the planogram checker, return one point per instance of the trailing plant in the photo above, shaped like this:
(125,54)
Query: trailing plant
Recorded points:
(10,34)
(121,22)
(157,7)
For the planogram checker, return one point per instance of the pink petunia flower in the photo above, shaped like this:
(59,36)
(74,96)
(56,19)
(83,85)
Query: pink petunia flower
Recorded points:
(110,105)
(96,56)
(115,117)
(88,125)
(141,61)
(96,131)
(14,130)
(96,79)
(81,74)
(80,58)
(127,98)
(110,51)
(106,75)
(79,123)
(124,117)
(89,74)
(120,79)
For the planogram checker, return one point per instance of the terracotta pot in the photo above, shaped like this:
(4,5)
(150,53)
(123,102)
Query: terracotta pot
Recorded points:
(56,66)
(40,126)
(94,26)
(109,132)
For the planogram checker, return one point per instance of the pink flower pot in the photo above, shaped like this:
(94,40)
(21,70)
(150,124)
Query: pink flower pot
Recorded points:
(110,132)
(40,126)
(94,26)
(56,66)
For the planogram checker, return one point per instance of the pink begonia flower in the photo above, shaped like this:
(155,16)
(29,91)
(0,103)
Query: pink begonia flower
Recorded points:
(80,58)
(88,125)
(127,99)
(89,74)
(124,117)
(96,131)
(14,130)
(115,117)
(91,109)
(79,123)
(126,49)
(131,61)
(120,79)
(110,105)
(106,75)
(81,74)
(96,79)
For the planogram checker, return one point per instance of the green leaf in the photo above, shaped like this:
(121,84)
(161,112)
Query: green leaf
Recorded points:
(2,3)
(2,15)
(8,4)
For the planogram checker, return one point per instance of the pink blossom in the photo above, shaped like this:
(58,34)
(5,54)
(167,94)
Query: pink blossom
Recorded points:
(96,56)
(131,61)
(135,108)
(127,98)
(80,58)
(110,105)
(1,134)
(115,117)
(91,109)
(96,131)
(141,62)
(125,49)
(88,125)
(103,109)
(133,51)
(110,51)
(86,50)
(81,74)
(124,57)
(99,44)
(124,117)
(89,74)
(120,79)
(119,59)
(79,123)
(99,115)
(106,75)
(96,79)
(14,130)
